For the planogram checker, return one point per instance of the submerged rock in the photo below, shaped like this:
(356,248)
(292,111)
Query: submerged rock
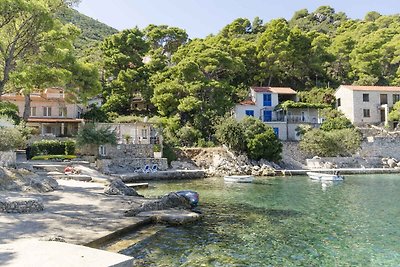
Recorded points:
(172,200)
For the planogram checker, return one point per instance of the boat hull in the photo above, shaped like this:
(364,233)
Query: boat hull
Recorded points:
(324,176)
(239,178)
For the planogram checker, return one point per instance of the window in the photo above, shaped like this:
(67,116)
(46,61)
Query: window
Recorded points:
(267,115)
(383,98)
(366,113)
(339,102)
(33,111)
(102,150)
(276,131)
(250,113)
(396,98)
(62,112)
(46,111)
(267,100)
(365,97)
(144,133)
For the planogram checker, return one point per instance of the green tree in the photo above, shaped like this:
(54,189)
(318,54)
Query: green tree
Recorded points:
(231,133)
(337,123)
(90,134)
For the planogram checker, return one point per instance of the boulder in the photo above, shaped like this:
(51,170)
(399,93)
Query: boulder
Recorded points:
(172,200)
(172,217)
(21,205)
(118,187)
(391,163)
(43,184)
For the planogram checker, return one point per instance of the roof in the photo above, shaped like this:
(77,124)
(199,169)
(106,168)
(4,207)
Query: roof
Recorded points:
(277,90)
(247,102)
(55,120)
(372,88)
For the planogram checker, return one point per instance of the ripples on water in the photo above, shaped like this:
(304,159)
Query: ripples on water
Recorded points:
(282,222)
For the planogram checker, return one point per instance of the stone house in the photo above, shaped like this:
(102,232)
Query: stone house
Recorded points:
(52,114)
(366,104)
(265,103)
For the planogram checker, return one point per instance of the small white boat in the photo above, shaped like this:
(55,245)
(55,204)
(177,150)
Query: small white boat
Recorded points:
(239,178)
(325,176)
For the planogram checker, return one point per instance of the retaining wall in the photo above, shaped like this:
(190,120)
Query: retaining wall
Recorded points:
(8,159)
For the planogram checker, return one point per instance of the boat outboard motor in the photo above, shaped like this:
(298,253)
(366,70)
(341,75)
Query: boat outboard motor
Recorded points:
(192,196)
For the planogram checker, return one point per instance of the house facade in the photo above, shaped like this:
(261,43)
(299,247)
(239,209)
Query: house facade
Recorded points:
(51,113)
(264,104)
(366,104)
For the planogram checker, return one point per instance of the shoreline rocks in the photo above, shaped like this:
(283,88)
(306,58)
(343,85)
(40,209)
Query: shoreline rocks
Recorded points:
(21,205)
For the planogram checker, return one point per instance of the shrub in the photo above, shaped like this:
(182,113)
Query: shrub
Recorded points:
(337,123)
(188,135)
(89,134)
(51,147)
(54,157)
(231,133)
(265,146)
(250,136)
(95,114)
(342,142)
(10,139)
(10,110)
(169,153)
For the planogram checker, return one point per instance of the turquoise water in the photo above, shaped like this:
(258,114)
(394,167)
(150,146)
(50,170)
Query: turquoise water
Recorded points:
(282,222)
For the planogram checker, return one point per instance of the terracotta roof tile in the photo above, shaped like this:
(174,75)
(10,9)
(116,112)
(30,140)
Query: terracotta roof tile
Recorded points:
(277,90)
(371,88)
(247,102)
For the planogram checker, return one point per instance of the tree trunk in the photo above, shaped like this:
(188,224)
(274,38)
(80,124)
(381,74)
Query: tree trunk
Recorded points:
(27,109)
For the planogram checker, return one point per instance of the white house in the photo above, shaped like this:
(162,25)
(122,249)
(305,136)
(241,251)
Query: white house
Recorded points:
(366,104)
(264,103)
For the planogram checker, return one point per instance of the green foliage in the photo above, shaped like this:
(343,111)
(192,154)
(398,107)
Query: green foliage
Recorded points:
(169,153)
(188,135)
(96,114)
(318,96)
(231,133)
(265,146)
(51,147)
(89,134)
(128,119)
(157,148)
(337,123)
(53,157)
(394,115)
(291,104)
(250,136)
(10,139)
(342,142)
(10,110)
(92,30)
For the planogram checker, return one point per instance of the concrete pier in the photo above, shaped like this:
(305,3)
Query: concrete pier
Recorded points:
(342,171)
(161,175)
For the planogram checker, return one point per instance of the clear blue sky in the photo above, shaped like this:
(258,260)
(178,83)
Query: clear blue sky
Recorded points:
(203,17)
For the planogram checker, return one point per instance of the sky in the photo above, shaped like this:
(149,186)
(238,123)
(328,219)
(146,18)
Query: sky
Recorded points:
(203,17)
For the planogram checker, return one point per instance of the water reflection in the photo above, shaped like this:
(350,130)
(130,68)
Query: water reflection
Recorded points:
(282,222)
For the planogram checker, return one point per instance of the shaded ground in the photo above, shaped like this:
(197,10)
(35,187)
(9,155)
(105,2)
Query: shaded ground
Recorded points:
(78,212)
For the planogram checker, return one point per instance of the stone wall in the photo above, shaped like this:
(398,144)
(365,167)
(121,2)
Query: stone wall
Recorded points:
(129,164)
(381,147)
(20,205)
(130,150)
(8,159)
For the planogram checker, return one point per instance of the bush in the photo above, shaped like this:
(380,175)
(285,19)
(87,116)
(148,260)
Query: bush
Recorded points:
(89,134)
(342,142)
(53,157)
(250,136)
(51,147)
(10,139)
(169,153)
(265,146)
(188,135)
(337,123)
(10,110)
(231,133)
(95,114)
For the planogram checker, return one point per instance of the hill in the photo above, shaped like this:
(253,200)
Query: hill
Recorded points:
(93,31)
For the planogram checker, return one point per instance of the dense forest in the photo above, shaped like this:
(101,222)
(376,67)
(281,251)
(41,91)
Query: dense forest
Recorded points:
(190,85)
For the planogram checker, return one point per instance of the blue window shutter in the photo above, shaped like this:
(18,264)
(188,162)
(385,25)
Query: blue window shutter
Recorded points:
(250,113)
(267,100)
(267,115)
(276,131)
